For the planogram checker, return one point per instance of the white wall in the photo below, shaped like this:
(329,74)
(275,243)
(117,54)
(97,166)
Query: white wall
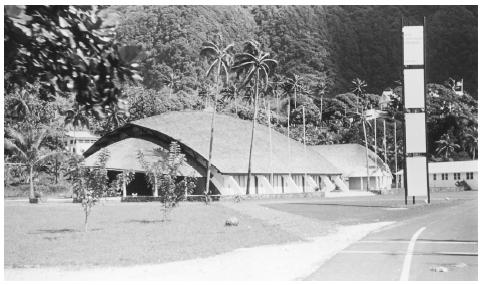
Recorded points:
(451,180)
(78,146)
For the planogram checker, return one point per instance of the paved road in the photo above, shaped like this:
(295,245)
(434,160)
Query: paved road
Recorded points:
(447,240)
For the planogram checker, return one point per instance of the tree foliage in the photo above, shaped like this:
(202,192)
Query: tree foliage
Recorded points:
(67,49)
(165,178)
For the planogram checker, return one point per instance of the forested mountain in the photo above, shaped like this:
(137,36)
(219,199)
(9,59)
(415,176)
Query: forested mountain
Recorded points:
(333,44)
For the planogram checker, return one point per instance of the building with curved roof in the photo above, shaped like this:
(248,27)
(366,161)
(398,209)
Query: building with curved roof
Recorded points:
(351,159)
(285,167)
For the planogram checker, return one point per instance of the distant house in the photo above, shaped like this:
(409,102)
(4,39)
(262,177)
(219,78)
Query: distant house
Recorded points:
(275,171)
(79,141)
(351,160)
(385,99)
(444,175)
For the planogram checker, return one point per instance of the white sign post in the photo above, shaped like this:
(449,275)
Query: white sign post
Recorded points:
(416,170)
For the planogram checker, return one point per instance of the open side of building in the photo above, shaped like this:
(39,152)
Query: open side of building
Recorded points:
(279,164)
(351,159)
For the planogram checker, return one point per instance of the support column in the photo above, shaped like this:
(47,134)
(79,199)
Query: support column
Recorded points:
(155,194)
(124,186)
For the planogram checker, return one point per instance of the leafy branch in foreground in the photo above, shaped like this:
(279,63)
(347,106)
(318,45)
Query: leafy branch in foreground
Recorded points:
(67,49)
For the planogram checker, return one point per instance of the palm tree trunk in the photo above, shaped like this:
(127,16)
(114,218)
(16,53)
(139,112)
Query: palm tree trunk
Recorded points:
(295,97)
(376,153)
(270,146)
(252,134)
(366,152)
(321,111)
(235,103)
(385,141)
(32,193)
(277,108)
(396,154)
(304,145)
(211,138)
(289,138)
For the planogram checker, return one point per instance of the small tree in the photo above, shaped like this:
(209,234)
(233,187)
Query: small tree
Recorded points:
(91,183)
(164,177)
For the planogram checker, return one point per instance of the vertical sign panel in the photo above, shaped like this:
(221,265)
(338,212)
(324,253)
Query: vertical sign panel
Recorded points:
(413,82)
(417,176)
(415,130)
(413,45)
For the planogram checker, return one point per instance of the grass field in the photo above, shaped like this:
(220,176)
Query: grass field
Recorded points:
(51,234)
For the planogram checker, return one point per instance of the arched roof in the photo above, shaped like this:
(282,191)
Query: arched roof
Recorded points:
(351,158)
(123,155)
(230,147)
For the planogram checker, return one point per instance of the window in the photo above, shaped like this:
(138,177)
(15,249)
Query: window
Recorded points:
(456,176)
(435,177)
(469,175)
(445,176)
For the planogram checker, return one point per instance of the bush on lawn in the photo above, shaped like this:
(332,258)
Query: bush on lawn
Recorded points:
(463,184)
(90,184)
(164,176)
(22,190)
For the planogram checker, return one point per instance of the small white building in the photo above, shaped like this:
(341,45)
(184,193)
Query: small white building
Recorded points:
(444,175)
(79,141)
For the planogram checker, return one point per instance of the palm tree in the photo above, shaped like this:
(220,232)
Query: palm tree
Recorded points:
(295,85)
(171,79)
(76,116)
(220,58)
(446,146)
(116,115)
(471,141)
(28,148)
(231,93)
(256,66)
(321,90)
(359,89)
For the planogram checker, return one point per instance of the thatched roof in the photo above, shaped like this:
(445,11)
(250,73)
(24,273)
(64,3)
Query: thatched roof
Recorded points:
(231,143)
(123,156)
(351,159)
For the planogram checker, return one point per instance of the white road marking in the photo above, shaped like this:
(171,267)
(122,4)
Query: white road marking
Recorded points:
(408,257)
(421,241)
(413,253)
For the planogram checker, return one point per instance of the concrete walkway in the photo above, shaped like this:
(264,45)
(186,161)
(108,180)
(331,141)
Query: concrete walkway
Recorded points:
(292,261)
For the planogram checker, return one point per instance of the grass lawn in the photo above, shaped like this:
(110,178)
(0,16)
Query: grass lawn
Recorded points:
(51,234)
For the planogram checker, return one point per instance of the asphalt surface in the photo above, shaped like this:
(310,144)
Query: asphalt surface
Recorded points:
(445,249)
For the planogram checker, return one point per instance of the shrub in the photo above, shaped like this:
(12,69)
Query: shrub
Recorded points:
(162,175)
(91,184)
(464,184)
